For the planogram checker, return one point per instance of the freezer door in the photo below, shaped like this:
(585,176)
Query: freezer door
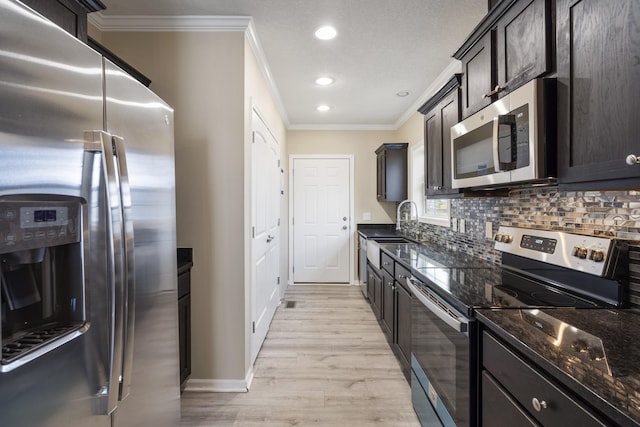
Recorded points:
(142,125)
(50,94)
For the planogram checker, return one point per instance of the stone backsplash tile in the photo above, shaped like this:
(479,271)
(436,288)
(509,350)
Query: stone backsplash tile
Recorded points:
(608,213)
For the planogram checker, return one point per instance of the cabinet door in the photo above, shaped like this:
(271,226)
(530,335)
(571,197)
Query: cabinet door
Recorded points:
(403,325)
(478,78)
(184,337)
(523,44)
(498,408)
(388,307)
(598,46)
(433,156)
(391,172)
(380,176)
(375,289)
(438,124)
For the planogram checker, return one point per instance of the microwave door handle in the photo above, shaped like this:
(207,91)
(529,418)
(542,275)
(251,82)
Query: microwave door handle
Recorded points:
(128,268)
(504,120)
(104,144)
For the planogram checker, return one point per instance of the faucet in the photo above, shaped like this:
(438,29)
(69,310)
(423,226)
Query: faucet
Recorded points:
(398,211)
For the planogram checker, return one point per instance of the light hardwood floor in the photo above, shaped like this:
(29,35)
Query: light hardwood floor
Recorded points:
(325,362)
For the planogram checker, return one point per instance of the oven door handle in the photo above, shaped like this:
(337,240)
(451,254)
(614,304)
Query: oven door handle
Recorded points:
(459,324)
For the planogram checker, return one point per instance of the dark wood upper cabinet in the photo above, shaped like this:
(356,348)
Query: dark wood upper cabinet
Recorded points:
(598,61)
(440,113)
(391,184)
(524,38)
(478,75)
(512,45)
(70,15)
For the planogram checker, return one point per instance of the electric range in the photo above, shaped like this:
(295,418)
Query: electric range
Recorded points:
(540,269)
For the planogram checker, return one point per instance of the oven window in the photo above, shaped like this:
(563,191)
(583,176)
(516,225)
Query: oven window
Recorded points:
(443,355)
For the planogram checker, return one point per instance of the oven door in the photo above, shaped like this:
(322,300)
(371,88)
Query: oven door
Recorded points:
(441,360)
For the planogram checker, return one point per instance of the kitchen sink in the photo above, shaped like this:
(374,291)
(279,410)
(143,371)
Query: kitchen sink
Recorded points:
(373,247)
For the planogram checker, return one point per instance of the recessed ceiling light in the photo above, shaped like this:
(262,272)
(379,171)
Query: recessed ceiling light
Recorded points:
(324,81)
(402,93)
(326,32)
(323,108)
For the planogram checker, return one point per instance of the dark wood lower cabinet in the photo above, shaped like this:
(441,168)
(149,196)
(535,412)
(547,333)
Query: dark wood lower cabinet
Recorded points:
(184,341)
(391,303)
(403,328)
(374,287)
(526,390)
(498,408)
(388,307)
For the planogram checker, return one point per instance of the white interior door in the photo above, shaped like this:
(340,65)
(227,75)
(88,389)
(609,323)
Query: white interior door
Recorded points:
(321,220)
(265,243)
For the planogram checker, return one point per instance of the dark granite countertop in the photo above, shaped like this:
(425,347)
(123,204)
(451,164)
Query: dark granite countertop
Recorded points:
(594,352)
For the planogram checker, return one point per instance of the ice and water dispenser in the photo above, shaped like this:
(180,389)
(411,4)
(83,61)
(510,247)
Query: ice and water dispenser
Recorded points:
(41,276)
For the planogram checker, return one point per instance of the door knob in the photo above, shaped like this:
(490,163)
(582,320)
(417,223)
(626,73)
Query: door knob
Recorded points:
(344,227)
(344,218)
(270,238)
(632,159)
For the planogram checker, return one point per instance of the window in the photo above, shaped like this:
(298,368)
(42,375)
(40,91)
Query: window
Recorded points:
(430,210)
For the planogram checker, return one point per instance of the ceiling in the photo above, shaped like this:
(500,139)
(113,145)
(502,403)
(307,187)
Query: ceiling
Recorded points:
(383,47)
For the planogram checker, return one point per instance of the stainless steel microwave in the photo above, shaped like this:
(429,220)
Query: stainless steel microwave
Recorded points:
(513,140)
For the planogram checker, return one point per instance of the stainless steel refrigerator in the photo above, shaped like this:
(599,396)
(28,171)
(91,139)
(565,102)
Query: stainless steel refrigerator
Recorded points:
(87,236)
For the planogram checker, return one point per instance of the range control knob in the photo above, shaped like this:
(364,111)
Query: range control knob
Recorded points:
(579,252)
(596,255)
(503,238)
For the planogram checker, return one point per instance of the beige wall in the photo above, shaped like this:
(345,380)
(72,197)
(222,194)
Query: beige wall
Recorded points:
(258,95)
(412,130)
(202,76)
(212,80)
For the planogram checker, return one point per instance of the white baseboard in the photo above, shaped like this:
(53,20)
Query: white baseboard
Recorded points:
(220,386)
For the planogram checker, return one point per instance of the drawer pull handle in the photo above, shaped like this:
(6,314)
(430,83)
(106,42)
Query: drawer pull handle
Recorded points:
(538,405)
(632,159)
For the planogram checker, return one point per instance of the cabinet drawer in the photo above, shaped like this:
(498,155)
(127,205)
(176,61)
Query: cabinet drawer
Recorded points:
(402,274)
(526,385)
(387,263)
(498,408)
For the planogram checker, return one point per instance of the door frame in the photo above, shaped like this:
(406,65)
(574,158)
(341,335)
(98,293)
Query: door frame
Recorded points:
(352,230)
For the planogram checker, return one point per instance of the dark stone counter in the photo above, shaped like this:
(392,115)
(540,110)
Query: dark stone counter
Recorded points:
(594,352)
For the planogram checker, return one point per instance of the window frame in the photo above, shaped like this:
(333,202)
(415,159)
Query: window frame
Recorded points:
(416,173)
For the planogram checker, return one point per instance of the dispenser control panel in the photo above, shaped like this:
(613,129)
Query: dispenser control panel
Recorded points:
(29,223)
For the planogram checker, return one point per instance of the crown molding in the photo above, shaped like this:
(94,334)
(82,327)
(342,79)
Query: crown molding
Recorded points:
(194,23)
(454,67)
(343,127)
(185,23)
(263,64)
(189,23)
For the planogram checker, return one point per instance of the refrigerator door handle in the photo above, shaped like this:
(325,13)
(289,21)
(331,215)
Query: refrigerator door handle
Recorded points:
(115,266)
(129,269)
